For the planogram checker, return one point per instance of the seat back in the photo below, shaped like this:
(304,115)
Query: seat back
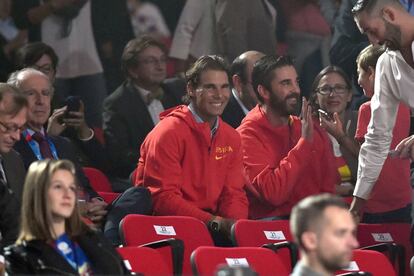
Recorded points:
(207,259)
(144,260)
(98,179)
(258,232)
(370,261)
(140,229)
(398,233)
(108,197)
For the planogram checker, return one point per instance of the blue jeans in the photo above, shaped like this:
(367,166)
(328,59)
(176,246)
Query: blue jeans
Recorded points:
(402,215)
(91,89)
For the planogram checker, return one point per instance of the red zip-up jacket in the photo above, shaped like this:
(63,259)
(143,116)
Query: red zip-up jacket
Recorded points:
(188,172)
(281,166)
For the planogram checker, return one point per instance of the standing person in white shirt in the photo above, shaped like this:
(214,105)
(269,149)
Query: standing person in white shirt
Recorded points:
(385,22)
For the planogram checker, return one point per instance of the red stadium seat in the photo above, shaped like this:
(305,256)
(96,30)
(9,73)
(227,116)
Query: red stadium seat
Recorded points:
(370,261)
(144,260)
(98,180)
(139,229)
(398,233)
(258,233)
(207,259)
(108,197)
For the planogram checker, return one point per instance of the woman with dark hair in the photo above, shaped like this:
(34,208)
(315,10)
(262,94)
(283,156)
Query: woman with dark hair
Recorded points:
(330,97)
(53,238)
(40,56)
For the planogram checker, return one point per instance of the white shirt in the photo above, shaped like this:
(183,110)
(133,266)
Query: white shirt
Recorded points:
(154,108)
(394,82)
(236,96)
(77,52)
(195,32)
(148,20)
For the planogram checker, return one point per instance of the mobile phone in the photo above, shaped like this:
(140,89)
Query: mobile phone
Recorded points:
(73,104)
(325,114)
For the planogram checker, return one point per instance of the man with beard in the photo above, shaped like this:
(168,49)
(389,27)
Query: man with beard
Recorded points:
(285,158)
(385,22)
(242,98)
(324,229)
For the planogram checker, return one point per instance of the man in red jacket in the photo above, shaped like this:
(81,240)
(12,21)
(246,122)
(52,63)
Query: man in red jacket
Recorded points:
(192,161)
(285,158)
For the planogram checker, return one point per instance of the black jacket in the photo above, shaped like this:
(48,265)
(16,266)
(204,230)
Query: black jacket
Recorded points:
(65,150)
(126,123)
(38,257)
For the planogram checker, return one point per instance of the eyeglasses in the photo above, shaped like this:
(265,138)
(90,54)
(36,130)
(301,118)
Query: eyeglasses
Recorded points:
(328,90)
(11,128)
(154,61)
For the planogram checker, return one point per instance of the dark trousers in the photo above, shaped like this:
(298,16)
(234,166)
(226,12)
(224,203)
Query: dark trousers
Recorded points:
(402,215)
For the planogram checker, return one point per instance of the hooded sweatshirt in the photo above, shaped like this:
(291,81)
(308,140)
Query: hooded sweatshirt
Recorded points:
(281,166)
(191,173)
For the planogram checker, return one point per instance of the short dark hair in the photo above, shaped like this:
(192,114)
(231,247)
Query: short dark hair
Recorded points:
(369,5)
(263,71)
(135,47)
(19,100)
(308,213)
(369,56)
(29,54)
(204,63)
(239,68)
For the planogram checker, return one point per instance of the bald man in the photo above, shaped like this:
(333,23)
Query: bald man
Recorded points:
(242,98)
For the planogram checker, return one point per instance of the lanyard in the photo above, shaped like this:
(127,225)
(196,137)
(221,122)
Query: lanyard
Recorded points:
(36,148)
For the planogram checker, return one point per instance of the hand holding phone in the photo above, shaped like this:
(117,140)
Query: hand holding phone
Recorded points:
(325,114)
(72,103)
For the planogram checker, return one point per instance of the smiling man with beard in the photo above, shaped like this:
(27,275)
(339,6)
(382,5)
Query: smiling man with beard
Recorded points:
(285,158)
(385,22)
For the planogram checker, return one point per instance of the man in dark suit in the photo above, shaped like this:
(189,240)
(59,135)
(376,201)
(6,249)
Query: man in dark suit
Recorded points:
(242,98)
(13,112)
(36,144)
(132,111)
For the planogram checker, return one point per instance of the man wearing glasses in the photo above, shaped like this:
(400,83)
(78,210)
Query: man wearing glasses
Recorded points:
(385,22)
(285,158)
(191,162)
(133,109)
(13,112)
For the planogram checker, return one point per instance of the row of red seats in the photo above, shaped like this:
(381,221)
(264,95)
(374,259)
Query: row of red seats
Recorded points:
(139,230)
(200,257)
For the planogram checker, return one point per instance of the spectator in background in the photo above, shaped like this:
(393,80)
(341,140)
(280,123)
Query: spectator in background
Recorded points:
(285,158)
(13,113)
(325,232)
(10,39)
(133,109)
(242,98)
(170,10)
(36,144)
(331,93)
(53,238)
(195,34)
(308,37)
(243,25)
(191,162)
(77,30)
(42,57)
(146,19)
